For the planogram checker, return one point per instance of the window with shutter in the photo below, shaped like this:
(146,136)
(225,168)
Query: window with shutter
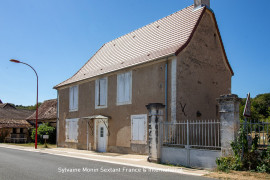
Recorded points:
(73,98)
(139,129)
(71,130)
(124,88)
(101,93)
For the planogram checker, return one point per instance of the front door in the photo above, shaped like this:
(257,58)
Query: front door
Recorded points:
(102,137)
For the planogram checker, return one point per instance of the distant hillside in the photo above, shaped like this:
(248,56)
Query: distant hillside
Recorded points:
(33,107)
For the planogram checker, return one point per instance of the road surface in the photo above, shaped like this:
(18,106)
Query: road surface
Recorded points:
(25,165)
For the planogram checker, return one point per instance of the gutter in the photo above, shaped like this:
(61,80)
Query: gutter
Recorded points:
(166,90)
(111,72)
(57,119)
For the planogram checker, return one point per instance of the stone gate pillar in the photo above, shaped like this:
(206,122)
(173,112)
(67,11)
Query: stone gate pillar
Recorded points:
(229,121)
(155,116)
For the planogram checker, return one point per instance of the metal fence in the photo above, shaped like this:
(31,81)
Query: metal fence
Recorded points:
(259,129)
(15,140)
(201,134)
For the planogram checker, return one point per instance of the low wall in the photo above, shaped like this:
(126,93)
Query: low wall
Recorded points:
(192,158)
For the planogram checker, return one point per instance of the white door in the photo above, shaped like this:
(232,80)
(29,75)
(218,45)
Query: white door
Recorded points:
(102,137)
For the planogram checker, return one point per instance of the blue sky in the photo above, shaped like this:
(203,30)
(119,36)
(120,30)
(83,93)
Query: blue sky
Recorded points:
(57,37)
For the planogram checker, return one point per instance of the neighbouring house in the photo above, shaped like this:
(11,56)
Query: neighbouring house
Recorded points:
(46,113)
(179,61)
(13,126)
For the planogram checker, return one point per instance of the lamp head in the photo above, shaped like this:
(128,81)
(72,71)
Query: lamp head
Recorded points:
(15,61)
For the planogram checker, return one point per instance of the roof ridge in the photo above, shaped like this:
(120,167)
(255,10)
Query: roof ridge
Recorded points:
(49,100)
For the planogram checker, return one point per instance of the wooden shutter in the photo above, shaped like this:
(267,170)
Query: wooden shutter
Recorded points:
(141,129)
(75,97)
(75,130)
(120,85)
(70,98)
(135,129)
(71,130)
(103,92)
(127,84)
(97,93)
(67,129)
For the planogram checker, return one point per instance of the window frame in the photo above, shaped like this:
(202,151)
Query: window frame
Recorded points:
(130,89)
(97,93)
(72,107)
(67,127)
(144,119)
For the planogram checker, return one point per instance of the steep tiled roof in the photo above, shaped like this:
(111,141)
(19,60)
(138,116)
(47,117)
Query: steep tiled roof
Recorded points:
(46,111)
(158,39)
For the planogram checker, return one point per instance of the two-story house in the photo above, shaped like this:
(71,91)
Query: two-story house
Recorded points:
(178,61)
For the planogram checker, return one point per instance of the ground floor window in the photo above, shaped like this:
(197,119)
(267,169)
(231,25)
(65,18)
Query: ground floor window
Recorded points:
(72,130)
(139,129)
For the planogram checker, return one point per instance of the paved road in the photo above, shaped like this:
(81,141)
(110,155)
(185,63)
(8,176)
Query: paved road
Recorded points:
(17,164)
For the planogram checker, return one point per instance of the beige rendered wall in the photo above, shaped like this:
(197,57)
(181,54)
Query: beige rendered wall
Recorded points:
(202,74)
(145,90)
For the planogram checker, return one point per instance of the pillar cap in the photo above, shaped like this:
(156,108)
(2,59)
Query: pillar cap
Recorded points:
(229,97)
(155,105)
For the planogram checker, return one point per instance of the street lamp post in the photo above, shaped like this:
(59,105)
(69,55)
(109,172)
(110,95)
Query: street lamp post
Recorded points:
(16,61)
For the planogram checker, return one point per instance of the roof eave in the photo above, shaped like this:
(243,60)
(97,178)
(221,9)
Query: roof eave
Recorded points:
(151,61)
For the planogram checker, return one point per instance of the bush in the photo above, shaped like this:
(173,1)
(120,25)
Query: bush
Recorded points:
(228,163)
(44,129)
(253,159)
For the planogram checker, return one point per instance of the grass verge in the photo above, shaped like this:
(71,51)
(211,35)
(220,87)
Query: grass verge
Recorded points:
(239,175)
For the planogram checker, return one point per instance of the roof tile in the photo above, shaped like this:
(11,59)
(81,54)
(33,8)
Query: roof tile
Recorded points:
(158,39)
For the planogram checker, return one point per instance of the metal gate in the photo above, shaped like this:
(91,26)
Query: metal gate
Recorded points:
(197,134)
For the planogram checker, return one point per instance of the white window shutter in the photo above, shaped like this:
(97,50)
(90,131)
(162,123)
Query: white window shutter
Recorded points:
(71,130)
(127,86)
(141,130)
(71,98)
(96,92)
(75,134)
(135,132)
(67,129)
(102,92)
(120,92)
(76,97)
(106,90)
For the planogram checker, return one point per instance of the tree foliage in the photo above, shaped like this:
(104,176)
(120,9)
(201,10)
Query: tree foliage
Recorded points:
(44,129)
(32,107)
(252,159)
(260,107)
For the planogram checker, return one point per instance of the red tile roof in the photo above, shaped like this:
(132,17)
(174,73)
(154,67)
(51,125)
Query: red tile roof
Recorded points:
(156,40)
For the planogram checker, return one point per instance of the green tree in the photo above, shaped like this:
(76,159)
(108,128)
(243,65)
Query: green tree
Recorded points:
(32,107)
(260,107)
(45,129)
